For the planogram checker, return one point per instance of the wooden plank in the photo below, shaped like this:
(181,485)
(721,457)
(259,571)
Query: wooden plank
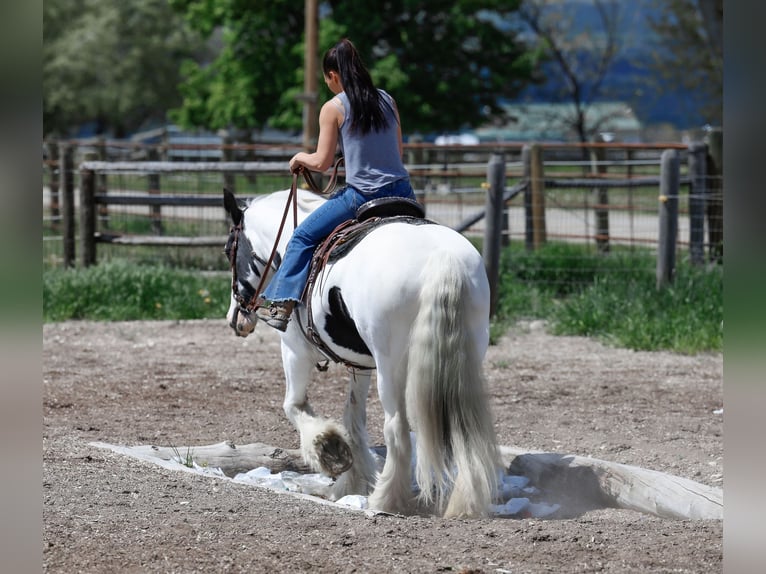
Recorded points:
(163,199)
(162,240)
(602,183)
(597,483)
(185,166)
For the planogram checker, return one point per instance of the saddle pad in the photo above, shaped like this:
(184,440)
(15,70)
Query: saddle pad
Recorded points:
(346,236)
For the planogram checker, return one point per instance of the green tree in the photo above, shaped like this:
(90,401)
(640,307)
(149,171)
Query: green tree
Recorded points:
(689,51)
(260,59)
(448,63)
(580,58)
(115,62)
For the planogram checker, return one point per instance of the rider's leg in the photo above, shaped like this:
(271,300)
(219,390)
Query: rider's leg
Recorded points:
(290,279)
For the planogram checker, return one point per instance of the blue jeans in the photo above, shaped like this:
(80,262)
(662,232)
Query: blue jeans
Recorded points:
(290,279)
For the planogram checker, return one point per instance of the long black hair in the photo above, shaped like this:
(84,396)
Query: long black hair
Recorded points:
(366,101)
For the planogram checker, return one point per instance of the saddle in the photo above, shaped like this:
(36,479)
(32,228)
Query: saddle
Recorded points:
(342,240)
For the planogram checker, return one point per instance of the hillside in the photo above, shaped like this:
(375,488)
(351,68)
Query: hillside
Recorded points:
(629,79)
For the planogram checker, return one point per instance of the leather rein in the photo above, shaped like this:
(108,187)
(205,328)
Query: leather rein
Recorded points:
(246,306)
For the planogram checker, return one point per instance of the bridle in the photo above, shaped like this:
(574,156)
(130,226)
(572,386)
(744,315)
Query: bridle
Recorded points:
(248,306)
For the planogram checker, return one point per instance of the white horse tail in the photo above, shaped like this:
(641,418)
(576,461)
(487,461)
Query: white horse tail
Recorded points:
(457,456)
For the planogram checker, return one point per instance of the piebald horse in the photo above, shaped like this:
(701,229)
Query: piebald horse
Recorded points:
(410,302)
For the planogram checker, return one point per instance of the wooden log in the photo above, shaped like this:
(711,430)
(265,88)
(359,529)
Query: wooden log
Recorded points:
(230,458)
(578,483)
(592,483)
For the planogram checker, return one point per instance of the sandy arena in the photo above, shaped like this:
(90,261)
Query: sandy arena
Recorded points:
(195,383)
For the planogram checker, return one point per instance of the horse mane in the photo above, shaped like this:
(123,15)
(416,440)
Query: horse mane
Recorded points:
(307,201)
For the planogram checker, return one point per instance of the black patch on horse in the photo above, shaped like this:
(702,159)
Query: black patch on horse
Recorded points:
(341,327)
(245,266)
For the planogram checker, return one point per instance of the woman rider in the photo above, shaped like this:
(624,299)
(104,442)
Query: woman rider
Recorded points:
(365,121)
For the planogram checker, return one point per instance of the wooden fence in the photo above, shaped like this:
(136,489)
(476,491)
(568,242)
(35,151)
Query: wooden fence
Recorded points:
(535,171)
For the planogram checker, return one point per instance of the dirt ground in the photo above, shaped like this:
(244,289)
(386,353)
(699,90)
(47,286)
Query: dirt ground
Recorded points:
(195,383)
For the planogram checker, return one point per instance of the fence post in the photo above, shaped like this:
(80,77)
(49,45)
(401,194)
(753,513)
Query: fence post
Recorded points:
(54,171)
(697,196)
(494,225)
(153,182)
(631,193)
(88,217)
(601,200)
(526,167)
(67,204)
(505,218)
(101,188)
(415,160)
(227,154)
(669,186)
(714,141)
(536,201)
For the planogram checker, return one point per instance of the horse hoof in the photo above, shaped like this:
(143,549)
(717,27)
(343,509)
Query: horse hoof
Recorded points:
(334,453)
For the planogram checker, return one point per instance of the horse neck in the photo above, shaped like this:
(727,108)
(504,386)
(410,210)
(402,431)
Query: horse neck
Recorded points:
(264,216)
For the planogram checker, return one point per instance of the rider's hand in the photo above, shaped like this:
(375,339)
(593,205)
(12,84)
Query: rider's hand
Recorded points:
(295,165)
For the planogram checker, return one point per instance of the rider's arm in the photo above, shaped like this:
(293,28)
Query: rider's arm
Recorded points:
(330,118)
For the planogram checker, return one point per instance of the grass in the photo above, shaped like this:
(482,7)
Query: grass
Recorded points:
(613,298)
(188,460)
(577,290)
(121,291)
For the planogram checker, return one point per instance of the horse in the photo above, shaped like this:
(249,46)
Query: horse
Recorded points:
(411,303)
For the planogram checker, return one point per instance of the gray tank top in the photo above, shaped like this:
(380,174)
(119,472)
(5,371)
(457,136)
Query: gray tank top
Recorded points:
(372,160)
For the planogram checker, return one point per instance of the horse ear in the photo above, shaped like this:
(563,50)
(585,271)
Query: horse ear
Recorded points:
(231,205)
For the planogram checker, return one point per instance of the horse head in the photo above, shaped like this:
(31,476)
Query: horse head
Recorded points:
(244,269)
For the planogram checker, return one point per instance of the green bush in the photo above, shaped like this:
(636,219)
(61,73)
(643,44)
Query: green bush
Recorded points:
(612,297)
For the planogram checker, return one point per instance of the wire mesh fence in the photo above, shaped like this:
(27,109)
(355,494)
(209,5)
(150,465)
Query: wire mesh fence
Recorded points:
(604,198)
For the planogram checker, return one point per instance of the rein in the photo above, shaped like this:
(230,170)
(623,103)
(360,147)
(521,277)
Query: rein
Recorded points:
(292,199)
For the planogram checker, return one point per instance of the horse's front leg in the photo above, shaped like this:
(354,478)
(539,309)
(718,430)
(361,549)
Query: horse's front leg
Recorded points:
(360,478)
(324,443)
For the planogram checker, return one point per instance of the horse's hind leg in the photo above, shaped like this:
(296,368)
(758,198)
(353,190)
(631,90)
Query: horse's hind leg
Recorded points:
(324,443)
(360,478)
(393,490)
